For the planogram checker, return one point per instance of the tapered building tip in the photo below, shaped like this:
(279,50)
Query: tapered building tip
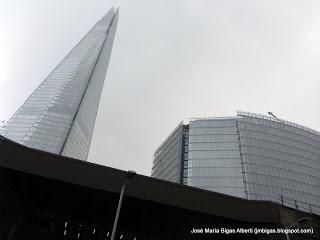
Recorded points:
(114,8)
(111,12)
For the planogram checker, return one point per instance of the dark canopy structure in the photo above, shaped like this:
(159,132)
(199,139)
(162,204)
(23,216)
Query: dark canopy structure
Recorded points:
(48,196)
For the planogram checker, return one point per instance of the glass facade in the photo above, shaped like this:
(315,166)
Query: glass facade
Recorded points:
(60,114)
(281,160)
(214,156)
(167,158)
(251,156)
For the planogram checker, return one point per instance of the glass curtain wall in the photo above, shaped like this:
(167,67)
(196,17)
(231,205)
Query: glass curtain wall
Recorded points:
(167,158)
(46,119)
(282,161)
(214,156)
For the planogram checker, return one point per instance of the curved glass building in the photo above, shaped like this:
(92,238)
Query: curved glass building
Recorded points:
(250,156)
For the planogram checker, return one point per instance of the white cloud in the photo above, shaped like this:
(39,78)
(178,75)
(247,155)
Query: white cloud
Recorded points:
(172,60)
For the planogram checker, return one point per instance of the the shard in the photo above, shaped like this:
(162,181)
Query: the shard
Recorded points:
(60,114)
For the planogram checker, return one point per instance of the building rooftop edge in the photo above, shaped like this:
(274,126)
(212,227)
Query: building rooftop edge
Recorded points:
(262,116)
(239,114)
(165,140)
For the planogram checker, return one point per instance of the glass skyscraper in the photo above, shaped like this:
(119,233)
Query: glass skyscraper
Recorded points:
(250,156)
(60,114)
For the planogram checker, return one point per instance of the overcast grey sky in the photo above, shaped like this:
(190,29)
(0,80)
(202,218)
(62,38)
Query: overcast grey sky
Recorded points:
(171,60)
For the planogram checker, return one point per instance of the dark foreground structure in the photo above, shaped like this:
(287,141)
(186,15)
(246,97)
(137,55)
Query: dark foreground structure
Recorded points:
(47,196)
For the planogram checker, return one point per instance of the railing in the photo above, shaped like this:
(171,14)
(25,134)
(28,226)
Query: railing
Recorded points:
(299,205)
(241,113)
(212,118)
